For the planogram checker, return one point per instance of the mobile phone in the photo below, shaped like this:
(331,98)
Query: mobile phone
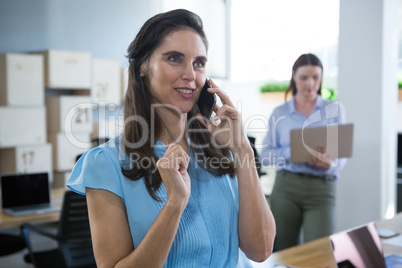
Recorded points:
(206,102)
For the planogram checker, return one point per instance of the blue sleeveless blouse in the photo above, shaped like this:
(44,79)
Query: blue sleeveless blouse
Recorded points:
(207,235)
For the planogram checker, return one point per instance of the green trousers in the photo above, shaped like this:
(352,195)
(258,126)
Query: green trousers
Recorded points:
(302,202)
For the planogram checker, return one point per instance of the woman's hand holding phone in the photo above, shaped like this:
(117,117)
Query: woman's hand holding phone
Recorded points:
(229,132)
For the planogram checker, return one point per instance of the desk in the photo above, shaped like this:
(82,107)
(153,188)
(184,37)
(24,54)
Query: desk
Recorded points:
(8,221)
(318,253)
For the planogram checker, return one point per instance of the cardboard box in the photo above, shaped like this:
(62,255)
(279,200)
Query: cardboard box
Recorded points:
(60,179)
(22,126)
(21,80)
(124,82)
(71,114)
(66,148)
(67,69)
(108,129)
(26,159)
(106,82)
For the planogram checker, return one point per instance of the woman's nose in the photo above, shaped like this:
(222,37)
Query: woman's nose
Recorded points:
(188,72)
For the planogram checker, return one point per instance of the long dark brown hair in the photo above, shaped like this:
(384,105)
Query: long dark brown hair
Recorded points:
(138,100)
(304,59)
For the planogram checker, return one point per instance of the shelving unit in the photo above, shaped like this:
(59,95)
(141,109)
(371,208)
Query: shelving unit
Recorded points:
(47,102)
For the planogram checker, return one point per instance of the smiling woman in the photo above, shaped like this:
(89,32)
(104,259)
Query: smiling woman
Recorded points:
(175,75)
(303,196)
(191,198)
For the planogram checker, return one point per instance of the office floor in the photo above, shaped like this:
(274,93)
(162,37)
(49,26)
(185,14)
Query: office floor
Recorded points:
(39,243)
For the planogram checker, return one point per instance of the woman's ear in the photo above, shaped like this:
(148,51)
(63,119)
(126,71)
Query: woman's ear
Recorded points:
(142,70)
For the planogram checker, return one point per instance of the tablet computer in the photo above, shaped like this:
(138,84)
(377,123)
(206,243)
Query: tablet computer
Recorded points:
(337,139)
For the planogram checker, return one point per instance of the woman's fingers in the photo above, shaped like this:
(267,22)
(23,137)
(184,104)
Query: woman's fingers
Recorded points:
(180,158)
(222,95)
(320,159)
(228,111)
(175,158)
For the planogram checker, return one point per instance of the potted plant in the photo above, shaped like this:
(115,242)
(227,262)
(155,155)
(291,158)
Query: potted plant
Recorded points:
(276,90)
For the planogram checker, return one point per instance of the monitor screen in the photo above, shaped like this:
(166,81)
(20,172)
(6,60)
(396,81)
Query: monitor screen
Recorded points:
(24,189)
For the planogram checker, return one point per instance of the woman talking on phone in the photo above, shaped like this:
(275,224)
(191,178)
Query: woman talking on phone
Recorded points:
(303,196)
(169,191)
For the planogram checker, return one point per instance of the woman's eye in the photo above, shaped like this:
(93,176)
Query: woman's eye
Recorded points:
(173,59)
(199,64)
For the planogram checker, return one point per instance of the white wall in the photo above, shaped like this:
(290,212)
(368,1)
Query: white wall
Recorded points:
(399,118)
(104,28)
(368,88)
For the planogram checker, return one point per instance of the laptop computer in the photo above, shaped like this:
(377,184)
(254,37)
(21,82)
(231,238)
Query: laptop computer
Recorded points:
(360,247)
(337,139)
(25,194)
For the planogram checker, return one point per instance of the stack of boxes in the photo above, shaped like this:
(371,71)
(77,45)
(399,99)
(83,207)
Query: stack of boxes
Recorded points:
(69,117)
(106,93)
(23,141)
(37,138)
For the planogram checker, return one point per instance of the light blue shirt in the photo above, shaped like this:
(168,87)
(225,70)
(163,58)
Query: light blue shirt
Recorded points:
(276,150)
(207,235)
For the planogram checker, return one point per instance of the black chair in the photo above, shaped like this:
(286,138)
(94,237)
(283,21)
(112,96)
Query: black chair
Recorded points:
(10,243)
(256,156)
(73,237)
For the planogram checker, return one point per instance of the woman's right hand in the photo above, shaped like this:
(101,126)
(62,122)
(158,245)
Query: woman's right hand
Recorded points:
(320,159)
(172,167)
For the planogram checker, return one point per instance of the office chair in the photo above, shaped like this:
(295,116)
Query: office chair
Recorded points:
(10,243)
(256,156)
(73,237)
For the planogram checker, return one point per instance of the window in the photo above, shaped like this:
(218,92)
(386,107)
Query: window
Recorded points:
(268,36)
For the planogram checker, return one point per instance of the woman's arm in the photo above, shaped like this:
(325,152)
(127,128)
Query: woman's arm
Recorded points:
(256,223)
(111,237)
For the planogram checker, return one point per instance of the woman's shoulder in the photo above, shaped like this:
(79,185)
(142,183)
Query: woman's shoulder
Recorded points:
(97,168)
(282,109)
(331,104)
(111,149)
(328,101)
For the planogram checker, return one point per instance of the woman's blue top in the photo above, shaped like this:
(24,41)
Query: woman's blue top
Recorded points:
(284,118)
(207,235)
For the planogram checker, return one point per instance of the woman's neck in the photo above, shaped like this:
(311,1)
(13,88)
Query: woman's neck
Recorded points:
(173,128)
(304,105)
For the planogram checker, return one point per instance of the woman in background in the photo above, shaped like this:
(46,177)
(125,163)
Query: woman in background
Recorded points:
(170,191)
(303,196)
